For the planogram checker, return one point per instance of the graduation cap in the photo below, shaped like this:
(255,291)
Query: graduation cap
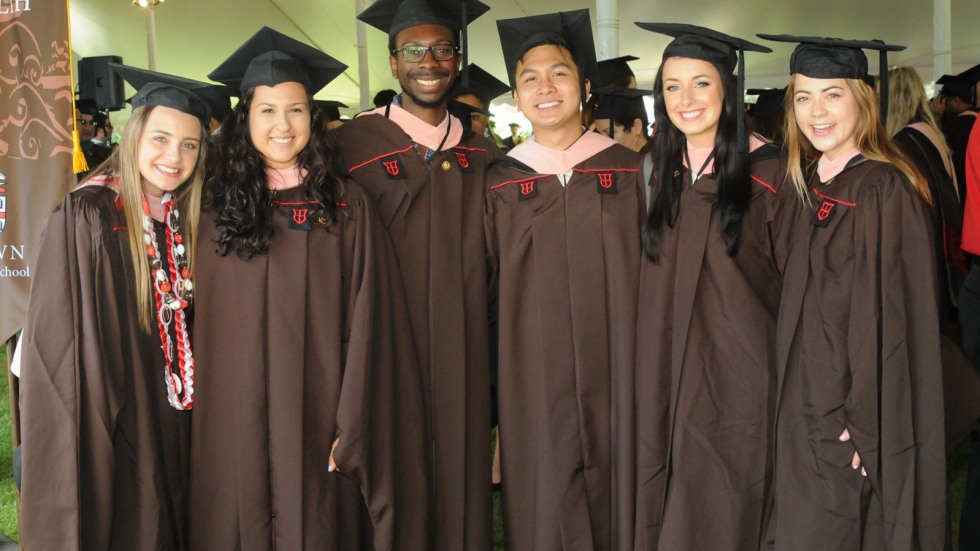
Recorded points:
(727,52)
(971,75)
(330,107)
(620,103)
(481,84)
(86,107)
(269,58)
(172,91)
(818,57)
(464,112)
(394,16)
(955,86)
(615,69)
(770,101)
(571,29)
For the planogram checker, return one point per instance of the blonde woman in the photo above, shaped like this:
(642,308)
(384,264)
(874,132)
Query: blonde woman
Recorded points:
(859,440)
(912,127)
(108,367)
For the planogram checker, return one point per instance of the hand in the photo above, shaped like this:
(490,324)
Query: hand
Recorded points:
(856,460)
(495,469)
(332,465)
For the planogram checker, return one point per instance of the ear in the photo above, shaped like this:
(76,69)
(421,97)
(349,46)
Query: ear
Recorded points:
(637,126)
(588,89)
(517,99)
(393,63)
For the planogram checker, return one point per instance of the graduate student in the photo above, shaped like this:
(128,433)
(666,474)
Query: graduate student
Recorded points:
(563,219)
(108,367)
(425,173)
(709,296)
(859,453)
(302,327)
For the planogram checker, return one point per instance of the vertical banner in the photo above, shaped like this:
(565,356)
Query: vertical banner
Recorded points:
(36,120)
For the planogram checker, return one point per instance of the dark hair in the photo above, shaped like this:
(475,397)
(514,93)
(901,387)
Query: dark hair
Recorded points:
(237,195)
(731,169)
(384,97)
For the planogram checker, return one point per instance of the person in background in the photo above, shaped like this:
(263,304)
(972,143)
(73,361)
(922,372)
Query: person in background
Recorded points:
(310,365)
(108,378)
(913,129)
(85,120)
(958,117)
(859,431)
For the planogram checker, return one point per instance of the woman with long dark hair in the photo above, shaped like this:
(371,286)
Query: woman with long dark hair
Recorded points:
(108,378)
(859,437)
(708,303)
(303,329)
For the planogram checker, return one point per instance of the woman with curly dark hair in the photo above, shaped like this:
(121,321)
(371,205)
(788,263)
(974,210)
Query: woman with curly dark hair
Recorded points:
(310,392)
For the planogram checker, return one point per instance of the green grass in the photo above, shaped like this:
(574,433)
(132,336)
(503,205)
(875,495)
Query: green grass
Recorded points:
(8,493)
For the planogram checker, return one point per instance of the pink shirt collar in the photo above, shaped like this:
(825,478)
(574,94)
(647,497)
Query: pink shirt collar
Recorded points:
(422,132)
(828,168)
(545,160)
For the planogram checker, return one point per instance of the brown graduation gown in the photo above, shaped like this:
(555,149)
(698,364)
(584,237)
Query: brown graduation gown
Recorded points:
(294,347)
(566,261)
(858,347)
(434,215)
(705,367)
(104,454)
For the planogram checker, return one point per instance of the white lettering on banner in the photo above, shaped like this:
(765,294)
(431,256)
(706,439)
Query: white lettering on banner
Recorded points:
(11,252)
(14,6)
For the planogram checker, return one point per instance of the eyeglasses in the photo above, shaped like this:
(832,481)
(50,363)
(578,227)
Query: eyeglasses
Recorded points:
(414,54)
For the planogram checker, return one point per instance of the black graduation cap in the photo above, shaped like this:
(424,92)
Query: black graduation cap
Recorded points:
(330,107)
(615,69)
(971,75)
(172,91)
(481,84)
(269,58)
(770,101)
(694,42)
(463,112)
(394,16)
(620,102)
(86,106)
(818,57)
(955,86)
(571,29)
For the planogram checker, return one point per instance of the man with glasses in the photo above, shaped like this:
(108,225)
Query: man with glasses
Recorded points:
(86,113)
(426,174)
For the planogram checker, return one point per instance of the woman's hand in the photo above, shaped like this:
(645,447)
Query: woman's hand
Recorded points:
(856,460)
(333,466)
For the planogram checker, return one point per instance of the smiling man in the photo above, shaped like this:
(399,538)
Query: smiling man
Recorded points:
(426,174)
(563,223)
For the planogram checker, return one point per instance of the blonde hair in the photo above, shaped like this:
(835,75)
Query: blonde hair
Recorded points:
(907,103)
(125,163)
(869,136)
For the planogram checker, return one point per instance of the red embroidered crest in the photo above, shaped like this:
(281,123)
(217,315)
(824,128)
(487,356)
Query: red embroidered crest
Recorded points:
(392,167)
(299,215)
(528,188)
(825,210)
(463,161)
(605,179)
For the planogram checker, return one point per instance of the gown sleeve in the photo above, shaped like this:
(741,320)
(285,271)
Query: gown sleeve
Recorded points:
(894,409)
(380,420)
(69,403)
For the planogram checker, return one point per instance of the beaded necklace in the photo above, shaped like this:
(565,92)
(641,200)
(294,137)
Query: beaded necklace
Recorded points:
(172,294)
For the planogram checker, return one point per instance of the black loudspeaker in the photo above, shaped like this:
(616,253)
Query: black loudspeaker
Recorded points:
(97,82)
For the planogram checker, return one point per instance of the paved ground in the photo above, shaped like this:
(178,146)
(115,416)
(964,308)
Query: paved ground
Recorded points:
(7,545)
